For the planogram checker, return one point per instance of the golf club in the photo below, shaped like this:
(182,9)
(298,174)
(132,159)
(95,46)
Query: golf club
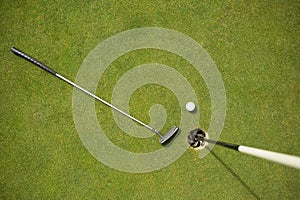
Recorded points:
(198,137)
(162,138)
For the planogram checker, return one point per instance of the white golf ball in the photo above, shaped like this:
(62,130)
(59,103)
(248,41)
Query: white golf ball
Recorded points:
(190,106)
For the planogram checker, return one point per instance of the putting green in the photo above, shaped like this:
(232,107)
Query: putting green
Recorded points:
(254,46)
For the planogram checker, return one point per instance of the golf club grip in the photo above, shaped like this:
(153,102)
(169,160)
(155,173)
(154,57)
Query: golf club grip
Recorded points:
(32,60)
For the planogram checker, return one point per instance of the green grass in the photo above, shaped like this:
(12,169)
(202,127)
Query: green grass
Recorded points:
(255,46)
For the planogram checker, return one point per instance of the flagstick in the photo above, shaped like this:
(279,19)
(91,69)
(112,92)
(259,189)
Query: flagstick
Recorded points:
(284,159)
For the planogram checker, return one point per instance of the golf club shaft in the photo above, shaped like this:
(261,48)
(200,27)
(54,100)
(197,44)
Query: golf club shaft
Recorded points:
(284,159)
(51,71)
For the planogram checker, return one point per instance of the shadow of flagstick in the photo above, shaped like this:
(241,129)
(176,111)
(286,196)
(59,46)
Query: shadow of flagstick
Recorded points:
(235,175)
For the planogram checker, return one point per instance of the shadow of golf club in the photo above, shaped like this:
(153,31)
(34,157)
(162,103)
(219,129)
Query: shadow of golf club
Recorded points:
(235,175)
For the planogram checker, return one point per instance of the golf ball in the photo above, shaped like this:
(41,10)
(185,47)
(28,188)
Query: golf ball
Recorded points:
(190,106)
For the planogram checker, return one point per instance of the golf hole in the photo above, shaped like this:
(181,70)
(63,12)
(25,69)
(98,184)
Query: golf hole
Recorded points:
(202,144)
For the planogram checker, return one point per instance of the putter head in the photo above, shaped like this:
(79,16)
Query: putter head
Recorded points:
(168,135)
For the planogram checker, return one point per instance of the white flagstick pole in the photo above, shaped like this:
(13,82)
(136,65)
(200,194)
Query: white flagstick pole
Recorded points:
(284,159)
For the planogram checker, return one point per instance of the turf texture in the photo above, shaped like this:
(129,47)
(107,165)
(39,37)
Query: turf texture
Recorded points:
(255,45)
